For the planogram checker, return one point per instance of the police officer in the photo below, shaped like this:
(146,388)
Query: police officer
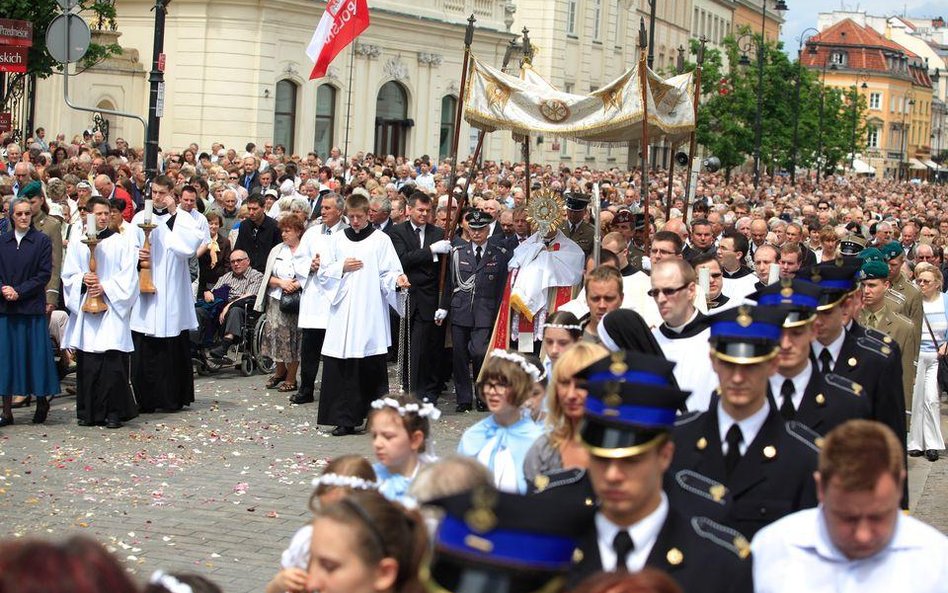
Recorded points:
(740,460)
(630,411)
(473,291)
(821,402)
(576,227)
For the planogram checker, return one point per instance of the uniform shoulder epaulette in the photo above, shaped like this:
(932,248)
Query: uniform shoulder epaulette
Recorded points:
(728,538)
(878,335)
(687,418)
(563,477)
(843,383)
(702,486)
(896,295)
(902,317)
(502,249)
(804,434)
(874,346)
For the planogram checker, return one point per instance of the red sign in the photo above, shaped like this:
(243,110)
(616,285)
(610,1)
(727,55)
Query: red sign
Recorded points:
(13,59)
(6,121)
(18,33)
(161,62)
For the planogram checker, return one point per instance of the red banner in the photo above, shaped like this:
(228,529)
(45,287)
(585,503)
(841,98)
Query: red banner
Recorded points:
(6,122)
(342,22)
(13,59)
(17,33)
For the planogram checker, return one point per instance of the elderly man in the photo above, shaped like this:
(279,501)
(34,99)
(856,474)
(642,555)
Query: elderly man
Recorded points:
(758,237)
(380,210)
(108,190)
(250,179)
(857,539)
(241,282)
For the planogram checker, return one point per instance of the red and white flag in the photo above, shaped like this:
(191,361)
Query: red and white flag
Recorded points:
(343,21)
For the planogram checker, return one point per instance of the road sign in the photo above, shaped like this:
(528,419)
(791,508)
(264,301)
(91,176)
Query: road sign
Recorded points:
(79,38)
(18,33)
(160,101)
(161,62)
(67,5)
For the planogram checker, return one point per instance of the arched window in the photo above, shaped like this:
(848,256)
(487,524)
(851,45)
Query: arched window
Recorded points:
(325,119)
(449,106)
(391,120)
(284,114)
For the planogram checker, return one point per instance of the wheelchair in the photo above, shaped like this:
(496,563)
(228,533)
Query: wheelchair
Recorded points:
(244,354)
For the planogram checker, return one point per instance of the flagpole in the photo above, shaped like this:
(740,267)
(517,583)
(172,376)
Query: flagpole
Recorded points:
(643,83)
(345,146)
(526,61)
(693,146)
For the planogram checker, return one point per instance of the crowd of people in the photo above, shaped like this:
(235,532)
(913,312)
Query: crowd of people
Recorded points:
(822,305)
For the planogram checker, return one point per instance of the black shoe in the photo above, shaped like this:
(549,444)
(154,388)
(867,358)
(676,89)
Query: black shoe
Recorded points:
(931,455)
(463,408)
(113,421)
(300,398)
(23,403)
(6,420)
(42,410)
(480,406)
(82,422)
(220,351)
(915,453)
(341,431)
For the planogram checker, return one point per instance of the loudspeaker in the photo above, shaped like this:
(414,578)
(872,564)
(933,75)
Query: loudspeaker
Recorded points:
(681,158)
(712,164)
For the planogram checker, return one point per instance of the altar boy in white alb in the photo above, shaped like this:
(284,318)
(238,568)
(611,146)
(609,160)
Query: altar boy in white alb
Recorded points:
(102,341)
(359,272)
(161,364)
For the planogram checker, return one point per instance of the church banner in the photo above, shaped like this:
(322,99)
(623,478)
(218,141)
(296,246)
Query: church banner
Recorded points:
(530,106)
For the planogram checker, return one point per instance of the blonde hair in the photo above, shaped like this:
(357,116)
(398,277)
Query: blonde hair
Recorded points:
(924,266)
(571,361)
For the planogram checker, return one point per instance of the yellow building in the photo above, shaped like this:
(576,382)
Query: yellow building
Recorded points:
(897,90)
(747,13)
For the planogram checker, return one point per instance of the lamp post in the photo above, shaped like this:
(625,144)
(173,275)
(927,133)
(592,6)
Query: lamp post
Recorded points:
(861,76)
(819,134)
(811,49)
(907,101)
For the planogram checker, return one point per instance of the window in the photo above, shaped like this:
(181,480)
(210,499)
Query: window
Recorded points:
(449,106)
(597,19)
(571,17)
(391,119)
(838,58)
(875,100)
(284,114)
(694,25)
(325,119)
(872,139)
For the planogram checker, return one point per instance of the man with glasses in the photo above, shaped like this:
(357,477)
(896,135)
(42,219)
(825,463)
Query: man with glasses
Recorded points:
(683,334)
(241,282)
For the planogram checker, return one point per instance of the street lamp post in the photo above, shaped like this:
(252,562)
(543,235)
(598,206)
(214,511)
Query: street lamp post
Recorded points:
(861,76)
(804,36)
(819,134)
(907,101)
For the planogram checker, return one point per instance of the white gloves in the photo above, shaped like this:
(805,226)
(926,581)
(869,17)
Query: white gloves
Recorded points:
(441,314)
(442,246)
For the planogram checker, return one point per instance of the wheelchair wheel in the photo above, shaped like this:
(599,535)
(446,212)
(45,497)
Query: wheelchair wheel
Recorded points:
(265,364)
(246,366)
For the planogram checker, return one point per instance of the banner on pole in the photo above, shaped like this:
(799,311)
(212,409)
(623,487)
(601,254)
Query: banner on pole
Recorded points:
(343,21)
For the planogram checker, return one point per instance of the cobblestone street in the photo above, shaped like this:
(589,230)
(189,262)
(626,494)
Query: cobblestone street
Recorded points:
(217,489)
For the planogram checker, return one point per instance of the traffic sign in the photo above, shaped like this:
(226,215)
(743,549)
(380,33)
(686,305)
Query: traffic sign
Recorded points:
(79,38)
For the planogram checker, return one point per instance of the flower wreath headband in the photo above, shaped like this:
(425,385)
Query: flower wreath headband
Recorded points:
(525,365)
(170,583)
(424,410)
(566,326)
(336,480)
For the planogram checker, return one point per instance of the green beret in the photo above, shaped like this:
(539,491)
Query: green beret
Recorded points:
(891,250)
(871,254)
(875,270)
(33,188)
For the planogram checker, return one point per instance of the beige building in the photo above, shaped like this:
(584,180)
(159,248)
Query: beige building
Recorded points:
(713,19)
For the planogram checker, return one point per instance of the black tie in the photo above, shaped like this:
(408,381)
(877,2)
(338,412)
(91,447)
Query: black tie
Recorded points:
(786,406)
(733,438)
(623,546)
(421,241)
(826,361)
(477,254)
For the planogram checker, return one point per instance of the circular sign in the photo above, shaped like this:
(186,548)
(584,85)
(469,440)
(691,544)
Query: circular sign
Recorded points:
(67,5)
(79,36)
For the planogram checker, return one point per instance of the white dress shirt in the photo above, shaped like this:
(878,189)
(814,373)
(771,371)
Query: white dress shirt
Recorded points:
(750,426)
(644,535)
(799,385)
(834,347)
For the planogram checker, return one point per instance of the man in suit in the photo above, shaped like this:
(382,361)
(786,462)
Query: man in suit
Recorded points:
(380,210)
(250,179)
(576,228)
(629,414)
(472,292)
(821,402)
(420,246)
(753,467)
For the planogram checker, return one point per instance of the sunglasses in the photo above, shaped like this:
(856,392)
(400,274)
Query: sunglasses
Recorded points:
(666,291)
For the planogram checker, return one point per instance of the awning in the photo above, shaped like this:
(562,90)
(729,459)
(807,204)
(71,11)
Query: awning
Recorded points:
(861,167)
(931,164)
(916,164)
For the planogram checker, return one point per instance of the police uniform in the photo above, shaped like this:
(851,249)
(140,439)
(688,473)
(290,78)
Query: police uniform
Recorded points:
(473,290)
(817,401)
(583,234)
(629,411)
(773,476)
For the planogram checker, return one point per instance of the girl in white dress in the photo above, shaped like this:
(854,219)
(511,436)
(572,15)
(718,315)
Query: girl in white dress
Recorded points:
(400,427)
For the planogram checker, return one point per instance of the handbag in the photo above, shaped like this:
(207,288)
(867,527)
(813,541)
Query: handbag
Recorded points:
(942,360)
(290,302)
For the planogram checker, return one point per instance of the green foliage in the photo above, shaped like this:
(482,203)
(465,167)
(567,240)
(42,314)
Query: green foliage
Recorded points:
(728,109)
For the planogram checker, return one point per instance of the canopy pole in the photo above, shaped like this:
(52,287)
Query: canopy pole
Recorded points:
(691,179)
(643,83)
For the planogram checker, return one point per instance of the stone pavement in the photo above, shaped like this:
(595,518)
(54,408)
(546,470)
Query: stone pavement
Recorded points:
(217,489)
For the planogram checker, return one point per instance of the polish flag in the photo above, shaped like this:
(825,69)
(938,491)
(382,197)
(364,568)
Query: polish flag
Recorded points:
(343,21)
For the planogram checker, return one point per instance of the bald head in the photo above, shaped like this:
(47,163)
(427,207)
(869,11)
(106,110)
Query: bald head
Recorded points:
(103,185)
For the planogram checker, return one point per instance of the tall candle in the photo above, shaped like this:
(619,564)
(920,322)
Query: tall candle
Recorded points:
(149,209)
(774,273)
(91,231)
(704,280)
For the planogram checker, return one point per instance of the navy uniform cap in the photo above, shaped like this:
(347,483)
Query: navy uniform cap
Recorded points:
(493,541)
(747,335)
(798,298)
(576,201)
(630,367)
(836,279)
(477,219)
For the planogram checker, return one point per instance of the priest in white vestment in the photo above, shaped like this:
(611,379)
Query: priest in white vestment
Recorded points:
(359,273)
(102,341)
(161,364)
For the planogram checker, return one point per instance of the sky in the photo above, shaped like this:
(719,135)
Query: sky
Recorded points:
(803,13)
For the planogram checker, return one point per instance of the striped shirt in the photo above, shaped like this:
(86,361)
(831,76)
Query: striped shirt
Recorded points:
(249,283)
(935,315)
